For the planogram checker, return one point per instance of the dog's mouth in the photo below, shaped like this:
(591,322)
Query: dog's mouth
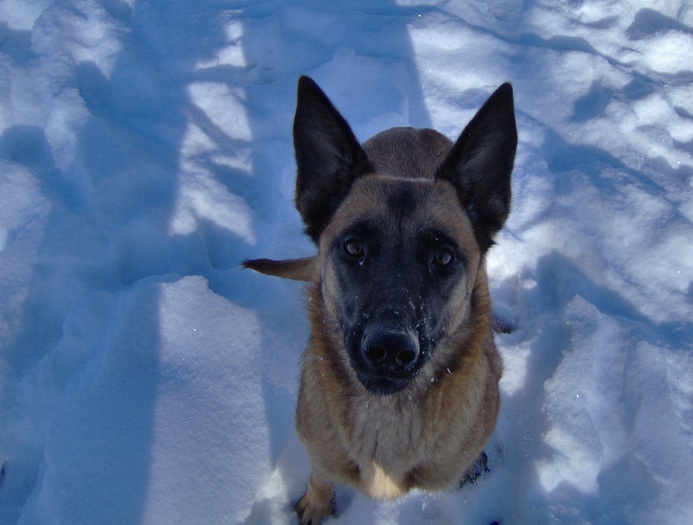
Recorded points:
(382,385)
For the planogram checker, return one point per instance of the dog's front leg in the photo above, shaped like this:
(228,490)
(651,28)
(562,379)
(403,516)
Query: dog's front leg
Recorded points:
(316,503)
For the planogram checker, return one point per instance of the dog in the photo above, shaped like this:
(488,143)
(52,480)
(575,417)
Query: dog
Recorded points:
(399,381)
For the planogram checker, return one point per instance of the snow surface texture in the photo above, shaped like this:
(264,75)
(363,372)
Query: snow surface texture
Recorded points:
(145,149)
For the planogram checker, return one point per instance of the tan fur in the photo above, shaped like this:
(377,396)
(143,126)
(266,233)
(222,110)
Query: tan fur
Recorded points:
(302,269)
(430,433)
(427,433)
(424,437)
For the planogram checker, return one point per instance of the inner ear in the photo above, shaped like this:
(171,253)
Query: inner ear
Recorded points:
(328,157)
(480,163)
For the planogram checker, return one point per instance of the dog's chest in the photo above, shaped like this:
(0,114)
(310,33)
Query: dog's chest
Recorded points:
(389,432)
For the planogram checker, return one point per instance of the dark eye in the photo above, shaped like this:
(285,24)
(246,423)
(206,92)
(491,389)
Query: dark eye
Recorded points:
(443,257)
(355,248)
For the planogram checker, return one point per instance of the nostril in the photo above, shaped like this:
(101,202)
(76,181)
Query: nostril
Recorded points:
(377,355)
(405,358)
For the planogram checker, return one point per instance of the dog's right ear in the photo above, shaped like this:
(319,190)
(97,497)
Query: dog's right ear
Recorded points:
(328,157)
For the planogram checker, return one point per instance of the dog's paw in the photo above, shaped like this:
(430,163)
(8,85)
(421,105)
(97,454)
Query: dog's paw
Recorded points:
(476,469)
(313,512)
(502,326)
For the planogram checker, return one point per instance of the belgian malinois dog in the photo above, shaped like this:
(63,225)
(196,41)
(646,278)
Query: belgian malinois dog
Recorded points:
(399,382)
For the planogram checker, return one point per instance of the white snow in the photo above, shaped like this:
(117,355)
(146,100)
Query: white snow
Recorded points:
(145,150)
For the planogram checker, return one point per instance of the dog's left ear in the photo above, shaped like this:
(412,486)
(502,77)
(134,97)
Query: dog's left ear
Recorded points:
(480,163)
(328,157)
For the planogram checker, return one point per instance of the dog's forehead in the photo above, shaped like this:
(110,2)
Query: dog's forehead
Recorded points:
(407,152)
(402,206)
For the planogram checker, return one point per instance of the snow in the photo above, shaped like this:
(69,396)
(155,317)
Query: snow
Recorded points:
(145,150)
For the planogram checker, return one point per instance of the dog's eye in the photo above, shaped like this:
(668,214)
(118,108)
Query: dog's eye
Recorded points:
(355,248)
(443,257)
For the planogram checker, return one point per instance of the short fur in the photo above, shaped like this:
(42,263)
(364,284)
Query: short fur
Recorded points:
(399,382)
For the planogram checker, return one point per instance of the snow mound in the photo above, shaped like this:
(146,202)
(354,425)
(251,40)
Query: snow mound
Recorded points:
(145,150)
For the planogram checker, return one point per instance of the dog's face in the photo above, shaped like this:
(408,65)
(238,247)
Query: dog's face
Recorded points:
(397,272)
(401,241)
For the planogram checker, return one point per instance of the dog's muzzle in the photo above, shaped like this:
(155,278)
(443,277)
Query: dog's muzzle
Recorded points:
(390,359)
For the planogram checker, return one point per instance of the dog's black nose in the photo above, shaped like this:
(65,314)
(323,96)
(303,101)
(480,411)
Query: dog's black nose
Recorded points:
(385,350)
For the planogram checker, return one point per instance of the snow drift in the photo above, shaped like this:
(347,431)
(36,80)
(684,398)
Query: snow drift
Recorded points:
(145,151)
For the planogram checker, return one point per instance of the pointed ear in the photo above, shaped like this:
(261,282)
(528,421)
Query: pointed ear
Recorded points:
(480,163)
(328,157)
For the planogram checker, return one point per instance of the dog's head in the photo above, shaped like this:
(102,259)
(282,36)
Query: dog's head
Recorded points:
(402,224)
